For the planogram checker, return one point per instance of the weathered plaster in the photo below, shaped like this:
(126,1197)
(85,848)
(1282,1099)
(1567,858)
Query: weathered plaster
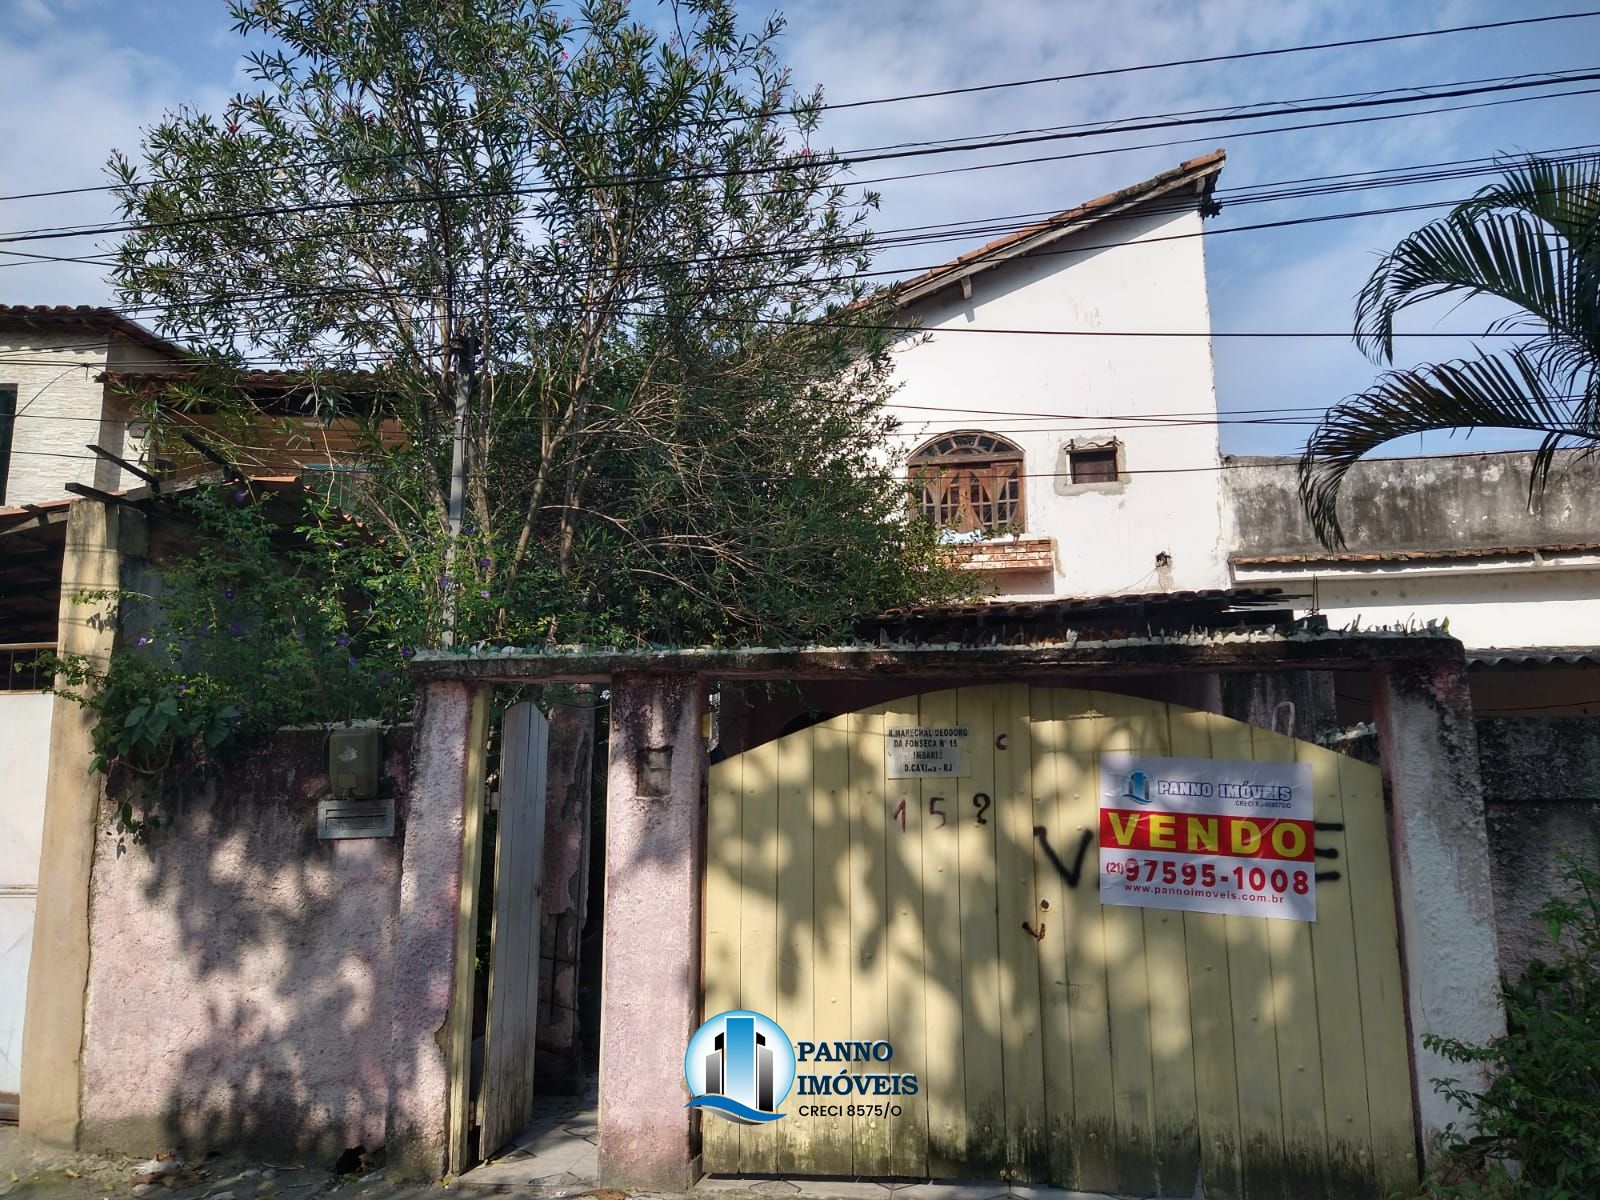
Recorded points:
(1435,504)
(424,960)
(1443,887)
(241,970)
(1541,786)
(58,971)
(651,1004)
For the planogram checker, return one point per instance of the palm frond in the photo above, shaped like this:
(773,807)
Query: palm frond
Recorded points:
(1509,255)
(1530,239)
(1504,391)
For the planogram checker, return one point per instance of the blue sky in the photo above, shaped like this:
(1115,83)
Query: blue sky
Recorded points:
(84,76)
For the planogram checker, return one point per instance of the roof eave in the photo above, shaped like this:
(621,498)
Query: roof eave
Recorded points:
(1200,173)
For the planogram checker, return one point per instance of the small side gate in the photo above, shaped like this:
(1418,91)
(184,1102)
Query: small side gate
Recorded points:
(1056,1039)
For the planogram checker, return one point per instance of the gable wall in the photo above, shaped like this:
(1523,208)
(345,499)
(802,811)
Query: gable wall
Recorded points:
(1145,273)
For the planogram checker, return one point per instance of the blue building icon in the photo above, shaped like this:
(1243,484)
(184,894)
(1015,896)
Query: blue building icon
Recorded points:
(740,1065)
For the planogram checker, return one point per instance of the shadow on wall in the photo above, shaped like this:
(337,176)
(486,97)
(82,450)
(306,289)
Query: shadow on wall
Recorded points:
(1056,1040)
(242,970)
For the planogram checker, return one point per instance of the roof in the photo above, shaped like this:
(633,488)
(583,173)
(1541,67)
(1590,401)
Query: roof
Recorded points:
(33,541)
(1200,174)
(1386,556)
(1536,656)
(1141,612)
(108,321)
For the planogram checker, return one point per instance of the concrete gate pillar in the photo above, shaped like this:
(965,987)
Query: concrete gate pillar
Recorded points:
(655,815)
(1443,890)
(450,714)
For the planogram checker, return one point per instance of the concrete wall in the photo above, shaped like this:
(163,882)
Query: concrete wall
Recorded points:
(24,734)
(1107,535)
(1541,782)
(1454,503)
(241,971)
(1416,503)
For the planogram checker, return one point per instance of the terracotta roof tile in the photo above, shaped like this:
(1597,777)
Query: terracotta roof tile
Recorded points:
(1203,169)
(86,316)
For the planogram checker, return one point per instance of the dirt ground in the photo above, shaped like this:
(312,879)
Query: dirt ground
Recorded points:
(30,1173)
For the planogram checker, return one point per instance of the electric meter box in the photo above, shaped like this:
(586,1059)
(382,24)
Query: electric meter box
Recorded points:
(354,758)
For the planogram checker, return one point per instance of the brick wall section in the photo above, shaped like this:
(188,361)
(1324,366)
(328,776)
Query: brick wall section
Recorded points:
(1024,554)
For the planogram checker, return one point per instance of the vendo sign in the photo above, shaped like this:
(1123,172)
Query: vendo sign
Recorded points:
(1207,835)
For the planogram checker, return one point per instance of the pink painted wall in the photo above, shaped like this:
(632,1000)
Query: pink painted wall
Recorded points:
(242,971)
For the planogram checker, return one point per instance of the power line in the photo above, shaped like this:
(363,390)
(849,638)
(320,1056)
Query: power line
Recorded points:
(1229,463)
(1105,72)
(814,162)
(1099,73)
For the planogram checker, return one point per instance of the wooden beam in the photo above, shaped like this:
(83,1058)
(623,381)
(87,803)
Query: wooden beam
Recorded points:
(228,469)
(137,472)
(92,493)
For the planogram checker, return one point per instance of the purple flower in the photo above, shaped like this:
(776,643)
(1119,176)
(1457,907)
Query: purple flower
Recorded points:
(240,496)
(342,640)
(182,688)
(235,628)
(145,639)
(229,594)
(353,662)
(446,583)
(407,651)
(484,593)
(484,563)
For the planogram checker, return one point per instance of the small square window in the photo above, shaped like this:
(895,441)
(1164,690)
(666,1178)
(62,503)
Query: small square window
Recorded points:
(1098,465)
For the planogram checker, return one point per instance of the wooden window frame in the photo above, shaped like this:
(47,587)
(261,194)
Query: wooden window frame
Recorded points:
(979,479)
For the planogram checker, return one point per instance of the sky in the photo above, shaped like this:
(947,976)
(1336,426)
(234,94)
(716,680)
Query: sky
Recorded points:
(84,76)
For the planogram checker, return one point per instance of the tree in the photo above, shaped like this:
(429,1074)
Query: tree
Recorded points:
(678,431)
(1532,239)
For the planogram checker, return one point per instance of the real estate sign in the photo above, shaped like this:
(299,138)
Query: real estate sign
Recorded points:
(1207,835)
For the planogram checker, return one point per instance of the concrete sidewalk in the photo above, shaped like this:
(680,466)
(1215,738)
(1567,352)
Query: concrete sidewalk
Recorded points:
(552,1161)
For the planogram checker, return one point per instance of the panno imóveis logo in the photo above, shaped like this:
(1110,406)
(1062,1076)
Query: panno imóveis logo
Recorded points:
(1136,787)
(740,1065)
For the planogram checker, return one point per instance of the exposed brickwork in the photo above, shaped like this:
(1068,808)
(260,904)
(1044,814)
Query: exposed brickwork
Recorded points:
(1024,554)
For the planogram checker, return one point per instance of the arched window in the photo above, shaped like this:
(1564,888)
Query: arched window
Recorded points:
(969,481)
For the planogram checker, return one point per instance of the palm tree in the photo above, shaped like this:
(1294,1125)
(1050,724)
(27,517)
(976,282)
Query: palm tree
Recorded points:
(1533,239)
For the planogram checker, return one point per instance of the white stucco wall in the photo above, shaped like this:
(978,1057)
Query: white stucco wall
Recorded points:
(1087,388)
(62,406)
(1488,605)
(24,762)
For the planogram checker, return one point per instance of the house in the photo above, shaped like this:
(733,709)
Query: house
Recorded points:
(1054,459)
(54,400)
(1457,540)
(1059,451)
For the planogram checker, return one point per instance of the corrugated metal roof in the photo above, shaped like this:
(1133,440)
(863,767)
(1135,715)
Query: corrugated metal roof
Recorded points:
(1536,656)
(1373,556)
(1034,610)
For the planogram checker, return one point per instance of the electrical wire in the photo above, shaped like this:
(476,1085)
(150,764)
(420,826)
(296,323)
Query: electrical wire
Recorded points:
(1099,73)
(812,163)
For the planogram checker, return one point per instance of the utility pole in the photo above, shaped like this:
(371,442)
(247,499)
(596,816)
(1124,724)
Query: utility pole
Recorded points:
(464,356)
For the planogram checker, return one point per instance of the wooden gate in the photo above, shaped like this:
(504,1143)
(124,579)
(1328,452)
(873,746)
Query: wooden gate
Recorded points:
(512,1019)
(1056,1039)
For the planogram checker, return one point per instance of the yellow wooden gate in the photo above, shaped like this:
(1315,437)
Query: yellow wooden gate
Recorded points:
(1056,1040)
